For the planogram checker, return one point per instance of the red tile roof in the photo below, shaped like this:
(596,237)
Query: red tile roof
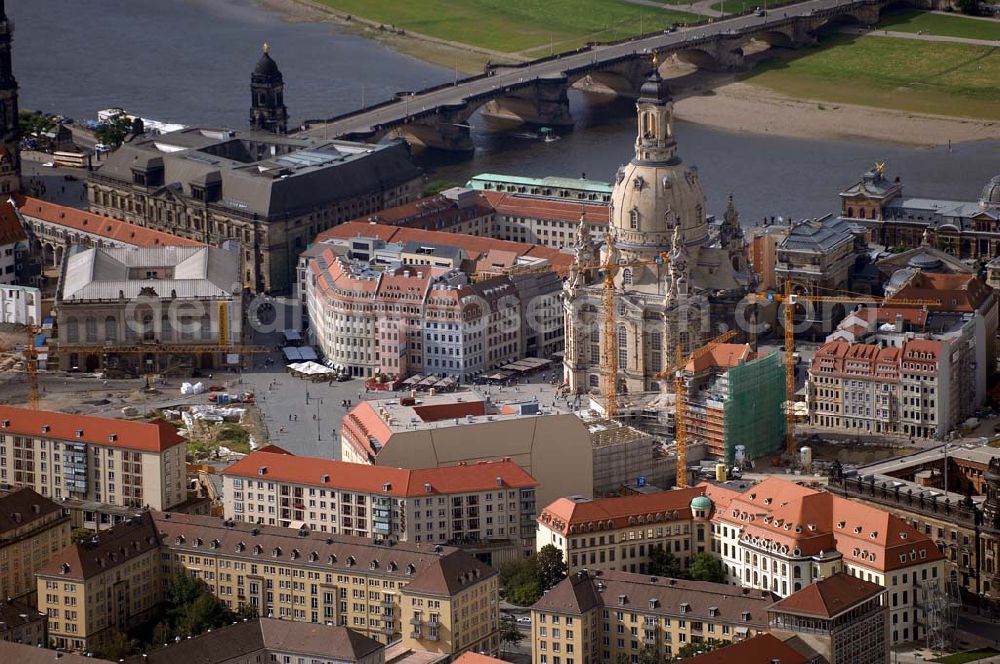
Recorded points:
(829,597)
(539,208)
(11,230)
(762,649)
(956,292)
(463,478)
(155,436)
(474,245)
(721,356)
(88,222)
(565,515)
(470,657)
(797,517)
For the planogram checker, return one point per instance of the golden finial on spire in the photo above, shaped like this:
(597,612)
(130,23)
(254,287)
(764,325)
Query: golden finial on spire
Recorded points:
(267,48)
(880,167)
(656,59)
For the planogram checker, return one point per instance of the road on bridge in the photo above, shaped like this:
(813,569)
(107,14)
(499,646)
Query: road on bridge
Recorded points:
(511,77)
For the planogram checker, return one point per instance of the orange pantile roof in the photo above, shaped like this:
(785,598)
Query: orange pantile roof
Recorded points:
(761,649)
(797,517)
(431,212)
(963,293)
(721,356)
(470,657)
(11,230)
(88,222)
(540,208)
(311,471)
(829,597)
(155,436)
(567,516)
(474,245)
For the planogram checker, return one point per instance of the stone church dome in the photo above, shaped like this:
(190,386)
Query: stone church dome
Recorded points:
(991,192)
(266,66)
(655,191)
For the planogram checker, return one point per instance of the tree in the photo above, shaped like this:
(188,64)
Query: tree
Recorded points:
(967,6)
(113,133)
(81,534)
(510,635)
(116,646)
(192,608)
(649,655)
(32,123)
(663,563)
(551,566)
(706,567)
(519,580)
(694,649)
(161,634)
(247,612)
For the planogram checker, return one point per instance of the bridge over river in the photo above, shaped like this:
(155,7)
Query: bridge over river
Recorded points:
(536,91)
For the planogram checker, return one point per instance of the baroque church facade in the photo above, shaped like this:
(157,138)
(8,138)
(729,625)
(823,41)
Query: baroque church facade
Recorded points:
(676,283)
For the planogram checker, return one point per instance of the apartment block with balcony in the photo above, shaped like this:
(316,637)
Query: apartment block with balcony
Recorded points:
(78,457)
(621,533)
(605,616)
(32,529)
(486,508)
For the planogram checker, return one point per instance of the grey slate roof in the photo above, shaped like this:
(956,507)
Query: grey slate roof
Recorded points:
(25,654)
(819,235)
(265,174)
(265,635)
(186,272)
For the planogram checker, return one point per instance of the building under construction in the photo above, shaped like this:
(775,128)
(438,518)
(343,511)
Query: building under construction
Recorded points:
(734,398)
(624,455)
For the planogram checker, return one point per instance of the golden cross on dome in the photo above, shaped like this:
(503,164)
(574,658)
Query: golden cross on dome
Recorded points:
(266,47)
(880,167)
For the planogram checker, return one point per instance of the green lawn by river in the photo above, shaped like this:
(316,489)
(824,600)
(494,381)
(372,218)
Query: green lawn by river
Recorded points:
(947,25)
(516,25)
(924,77)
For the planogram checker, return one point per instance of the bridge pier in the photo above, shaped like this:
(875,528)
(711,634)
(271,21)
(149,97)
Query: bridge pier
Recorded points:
(446,128)
(542,101)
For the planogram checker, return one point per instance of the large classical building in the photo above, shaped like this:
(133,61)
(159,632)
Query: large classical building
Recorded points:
(553,446)
(620,533)
(487,508)
(966,229)
(62,456)
(818,255)
(172,303)
(268,195)
(603,617)
(782,536)
(435,598)
(657,207)
(413,310)
(32,529)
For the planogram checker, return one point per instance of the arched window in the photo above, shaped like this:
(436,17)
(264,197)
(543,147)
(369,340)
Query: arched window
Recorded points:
(205,326)
(91,329)
(627,276)
(110,329)
(796,572)
(633,218)
(72,330)
(622,346)
(850,213)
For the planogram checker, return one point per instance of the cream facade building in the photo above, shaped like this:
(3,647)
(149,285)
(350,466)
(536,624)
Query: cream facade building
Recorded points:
(553,446)
(657,209)
(604,616)
(62,456)
(621,533)
(487,508)
(782,537)
(32,529)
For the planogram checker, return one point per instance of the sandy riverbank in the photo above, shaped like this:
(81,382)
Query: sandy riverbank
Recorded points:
(737,106)
(716,100)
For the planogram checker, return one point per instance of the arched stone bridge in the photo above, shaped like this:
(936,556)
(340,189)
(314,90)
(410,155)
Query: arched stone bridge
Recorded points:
(536,91)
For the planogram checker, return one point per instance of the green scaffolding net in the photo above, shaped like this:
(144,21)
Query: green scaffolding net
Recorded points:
(753,413)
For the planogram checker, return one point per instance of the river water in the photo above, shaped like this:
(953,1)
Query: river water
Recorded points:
(190,60)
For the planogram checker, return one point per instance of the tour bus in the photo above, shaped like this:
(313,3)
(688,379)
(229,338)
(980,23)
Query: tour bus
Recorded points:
(72,159)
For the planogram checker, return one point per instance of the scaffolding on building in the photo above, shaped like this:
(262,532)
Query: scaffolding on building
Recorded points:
(753,407)
(942,602)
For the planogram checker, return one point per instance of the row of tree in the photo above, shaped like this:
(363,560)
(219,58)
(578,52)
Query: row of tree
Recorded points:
(524,581)
(190,609)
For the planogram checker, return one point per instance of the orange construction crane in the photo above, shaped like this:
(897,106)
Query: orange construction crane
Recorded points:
(680,413)
(31,367)
(789,299)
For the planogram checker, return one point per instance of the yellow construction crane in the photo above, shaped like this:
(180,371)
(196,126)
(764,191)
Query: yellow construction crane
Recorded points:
(680,413)
(31,367)
(789,298)
(609,361)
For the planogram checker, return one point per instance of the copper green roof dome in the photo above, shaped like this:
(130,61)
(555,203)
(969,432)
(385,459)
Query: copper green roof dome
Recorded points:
(702,503)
